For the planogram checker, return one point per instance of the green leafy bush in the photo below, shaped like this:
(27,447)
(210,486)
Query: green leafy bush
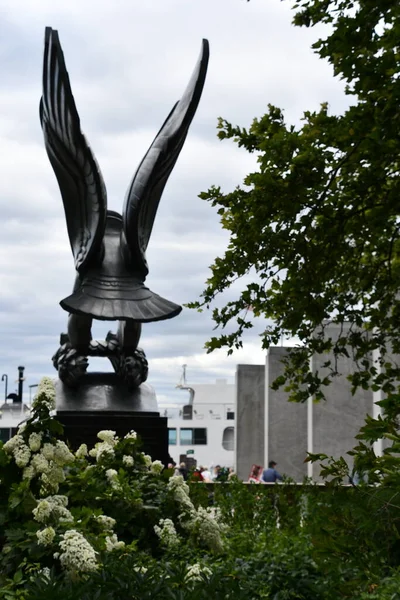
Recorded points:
(110,523)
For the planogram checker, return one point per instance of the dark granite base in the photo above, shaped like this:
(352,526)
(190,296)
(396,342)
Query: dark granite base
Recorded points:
(82,428)
(105,392)
(102,401)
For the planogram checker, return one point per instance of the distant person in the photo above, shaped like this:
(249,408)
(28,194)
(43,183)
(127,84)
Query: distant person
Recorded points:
(183,470)
(176,469)
(255,474)
(196,475)
(215,473)
(270,475)
(206,474)
(231,473)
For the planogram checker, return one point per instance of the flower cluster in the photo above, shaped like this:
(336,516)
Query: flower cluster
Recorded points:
(45,536)
(167,533)
(197,572)
(128,460)
(35,441)
(106,523)
(180,492)
(44,460)
(156,467)
(105,448)
(20,451)
(77,555)
(112,477)
(147,459)
(52,507)
(45,397)
(112,543)
(82,451)
(132,435)
(206,525)
(108,436)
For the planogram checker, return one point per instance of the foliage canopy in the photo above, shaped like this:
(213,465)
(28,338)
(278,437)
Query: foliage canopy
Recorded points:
(318,221)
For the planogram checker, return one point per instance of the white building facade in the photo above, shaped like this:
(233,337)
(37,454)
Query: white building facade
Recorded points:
(204,428)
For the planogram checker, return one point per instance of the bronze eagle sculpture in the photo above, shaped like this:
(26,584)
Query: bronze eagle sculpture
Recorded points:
(109,248)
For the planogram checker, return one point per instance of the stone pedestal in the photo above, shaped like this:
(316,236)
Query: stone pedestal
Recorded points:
(102,401)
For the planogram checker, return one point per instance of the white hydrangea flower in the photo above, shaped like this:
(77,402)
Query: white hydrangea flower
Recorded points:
(40,463)
(180,491)
(112,477)
(34,441)
(111,474)
(62,454)
(56,474)
(58,500)
(13,443)
(52,506)
(28,473)
(48,451)
(156,467)
(206,524)
(196,572)
(45,536)
(22,456)
(20,451)
(128,460)
(52,479)
(45,572)
(77,555)
(142,570)
(107,435)
(22,428)
(82,451)
(132,435)
(112,543)
(42,511)
(147,459)
(46,395)
(106,523)
(102,449)
(65,516)
(167,533)
(176,482)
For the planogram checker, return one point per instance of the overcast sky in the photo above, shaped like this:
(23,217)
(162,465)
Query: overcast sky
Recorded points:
(129,61)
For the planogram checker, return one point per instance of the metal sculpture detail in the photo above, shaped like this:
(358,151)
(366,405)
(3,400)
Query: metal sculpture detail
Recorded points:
(109,249)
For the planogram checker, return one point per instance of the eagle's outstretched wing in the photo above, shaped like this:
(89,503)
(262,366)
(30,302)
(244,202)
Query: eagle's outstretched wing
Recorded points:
(81,183)
(145,191)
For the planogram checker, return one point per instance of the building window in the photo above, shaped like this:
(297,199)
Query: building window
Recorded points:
(196,436)
(230,415)
(228,438)
(200,436)
(172,436)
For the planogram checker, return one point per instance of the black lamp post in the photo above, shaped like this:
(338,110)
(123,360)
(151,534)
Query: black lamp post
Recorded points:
(21,380)
(5,378)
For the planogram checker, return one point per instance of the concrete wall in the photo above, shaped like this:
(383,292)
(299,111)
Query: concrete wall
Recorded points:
(249,409)
(289,430)
(287,423)
(336,421)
